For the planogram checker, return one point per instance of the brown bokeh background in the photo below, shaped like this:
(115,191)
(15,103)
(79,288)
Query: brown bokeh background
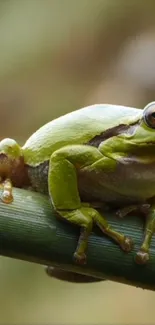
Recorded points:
(55,57)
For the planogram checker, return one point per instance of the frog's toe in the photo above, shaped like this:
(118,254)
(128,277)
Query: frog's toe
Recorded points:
(119,214)
(127,244)
(80,258)
(7,197)
(142,257)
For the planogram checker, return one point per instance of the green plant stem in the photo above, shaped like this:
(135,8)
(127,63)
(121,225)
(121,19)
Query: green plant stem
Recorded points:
(29,230)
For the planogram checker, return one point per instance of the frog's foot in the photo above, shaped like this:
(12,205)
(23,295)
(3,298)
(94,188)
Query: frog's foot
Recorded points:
(80,258)
(142,257)
(7,196)
(127,244)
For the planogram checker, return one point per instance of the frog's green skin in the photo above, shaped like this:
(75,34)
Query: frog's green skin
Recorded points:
(102,153)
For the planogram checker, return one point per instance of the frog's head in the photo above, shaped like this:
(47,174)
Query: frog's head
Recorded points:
(144,129)
(11,159)
(139,138)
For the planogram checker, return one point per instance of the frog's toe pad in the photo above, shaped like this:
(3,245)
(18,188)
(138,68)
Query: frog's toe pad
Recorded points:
(142,257)
(80,258)
(127,244)
(7,197)
(120,214)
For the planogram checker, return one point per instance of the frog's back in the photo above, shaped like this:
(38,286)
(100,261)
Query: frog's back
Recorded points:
(76,128)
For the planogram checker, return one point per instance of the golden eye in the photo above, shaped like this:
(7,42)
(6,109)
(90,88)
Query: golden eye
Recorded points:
(149,115)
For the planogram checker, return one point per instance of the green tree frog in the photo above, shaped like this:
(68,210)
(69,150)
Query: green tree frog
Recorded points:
(101,153)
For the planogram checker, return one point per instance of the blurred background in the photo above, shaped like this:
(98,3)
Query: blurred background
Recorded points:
(55,57)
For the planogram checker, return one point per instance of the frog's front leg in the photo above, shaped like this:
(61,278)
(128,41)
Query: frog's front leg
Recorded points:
(63,189)
(142,256)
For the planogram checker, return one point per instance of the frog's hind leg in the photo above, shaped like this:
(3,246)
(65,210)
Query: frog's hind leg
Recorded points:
(63,189)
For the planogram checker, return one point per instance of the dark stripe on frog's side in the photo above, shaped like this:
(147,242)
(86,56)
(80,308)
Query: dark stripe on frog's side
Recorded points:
(38,177)
(127,129)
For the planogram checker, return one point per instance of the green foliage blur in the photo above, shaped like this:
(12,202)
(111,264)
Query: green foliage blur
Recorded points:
(55,57)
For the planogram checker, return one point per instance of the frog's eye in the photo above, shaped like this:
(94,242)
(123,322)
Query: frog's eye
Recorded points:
(149,115)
